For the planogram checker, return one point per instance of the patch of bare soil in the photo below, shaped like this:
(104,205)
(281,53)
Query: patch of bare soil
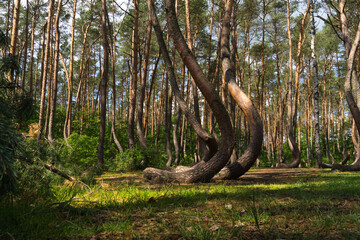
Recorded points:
(275,175)
(254,176)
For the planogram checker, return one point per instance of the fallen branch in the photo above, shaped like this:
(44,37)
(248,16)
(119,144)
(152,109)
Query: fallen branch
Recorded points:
(59,172)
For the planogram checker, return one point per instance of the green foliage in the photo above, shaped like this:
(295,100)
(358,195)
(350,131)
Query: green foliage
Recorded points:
(137,158)
(81,151)
(9,141)
(35,182)
(15,108)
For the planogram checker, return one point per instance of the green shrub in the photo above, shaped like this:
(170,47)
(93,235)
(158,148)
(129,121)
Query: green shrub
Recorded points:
(137,159)
(9,141)
(81,151)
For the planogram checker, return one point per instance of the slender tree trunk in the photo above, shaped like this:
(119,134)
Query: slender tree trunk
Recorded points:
(139,117)
(14,29)
(68,118)
(14,33)
(293,100)
(316,89)
(45,69)
(148,98)
(113,110)
(264,13)
(167,125)
(201,147)
(33,25)
(55,74)
(8,10)
(104,80)
(134,73)
(25,46)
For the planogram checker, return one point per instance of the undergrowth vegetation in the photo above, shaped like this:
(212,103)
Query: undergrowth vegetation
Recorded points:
(263,204)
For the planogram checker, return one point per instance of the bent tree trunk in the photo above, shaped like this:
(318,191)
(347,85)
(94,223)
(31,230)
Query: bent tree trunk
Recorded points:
(293,101)
(253,150)
(209,140)
(350,73)
(205,171)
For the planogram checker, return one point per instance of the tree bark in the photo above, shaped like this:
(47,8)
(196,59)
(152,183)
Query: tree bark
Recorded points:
(14,29)
(45,69)
(68,118)
(113,110)
(134,73)
(293,100)
(104,80)
(55,74)
(315,71)
(140,110)
(253,150)
(205,171)
(33,25)
(201,147)
(26,47)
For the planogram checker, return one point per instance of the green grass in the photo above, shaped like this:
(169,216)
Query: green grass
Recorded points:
(264,204)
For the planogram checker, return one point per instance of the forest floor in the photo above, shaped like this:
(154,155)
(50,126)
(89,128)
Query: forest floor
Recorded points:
(262,204)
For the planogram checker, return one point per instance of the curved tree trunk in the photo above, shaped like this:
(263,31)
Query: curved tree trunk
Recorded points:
(350,53)
(205,171)
(205,136)
(350,49)
(253,150)
(293,101)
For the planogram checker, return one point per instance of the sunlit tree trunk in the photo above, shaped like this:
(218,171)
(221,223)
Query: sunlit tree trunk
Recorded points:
(201,145)
(148,98)
(26,33)
(33,25)
(134,74)
(141,99)
(113,110)
(14,32)
(45,68)
(104,80)
(293,99)
(8,10)
(68,118)
(204,171)
(351,49)
(248,158)
(315,75)
(55,74)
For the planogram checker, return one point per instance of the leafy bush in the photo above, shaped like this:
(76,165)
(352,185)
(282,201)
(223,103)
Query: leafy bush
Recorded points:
(136,159)
(81,151)
(9,141)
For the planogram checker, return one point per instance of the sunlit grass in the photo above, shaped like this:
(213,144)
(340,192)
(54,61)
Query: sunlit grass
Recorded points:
(302,204)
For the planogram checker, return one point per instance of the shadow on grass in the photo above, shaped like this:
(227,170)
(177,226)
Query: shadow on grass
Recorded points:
(306,196)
